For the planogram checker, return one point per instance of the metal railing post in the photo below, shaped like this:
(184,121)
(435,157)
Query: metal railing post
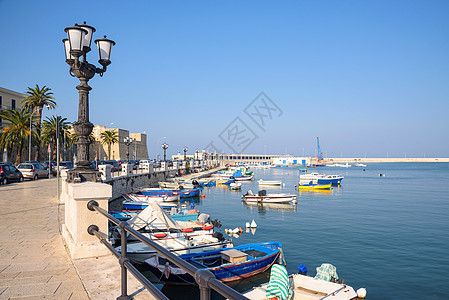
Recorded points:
(123,260)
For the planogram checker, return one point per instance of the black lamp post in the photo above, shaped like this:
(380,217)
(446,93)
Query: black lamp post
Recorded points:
(185,151)
(165,147)
(128,141)
(76,48)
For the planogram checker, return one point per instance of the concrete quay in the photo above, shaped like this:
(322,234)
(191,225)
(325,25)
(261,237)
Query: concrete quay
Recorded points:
(34,262)
(385,160)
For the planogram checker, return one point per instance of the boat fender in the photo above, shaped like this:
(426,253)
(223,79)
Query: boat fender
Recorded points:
(187,230)
(160,235)
(192,211)
(302,269)
(361,293)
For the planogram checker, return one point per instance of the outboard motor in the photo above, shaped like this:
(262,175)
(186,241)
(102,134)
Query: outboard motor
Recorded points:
(216,223)
(262,193)
(219,236)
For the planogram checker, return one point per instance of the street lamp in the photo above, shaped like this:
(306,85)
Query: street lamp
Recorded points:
(29,142)
(128,142)
(185,151)
(76,46)
(165,147)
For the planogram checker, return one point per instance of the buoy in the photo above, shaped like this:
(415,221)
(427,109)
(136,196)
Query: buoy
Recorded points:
(203,196)
(361,293)
(302,269)
(253,224)
(236,230)
(248,225)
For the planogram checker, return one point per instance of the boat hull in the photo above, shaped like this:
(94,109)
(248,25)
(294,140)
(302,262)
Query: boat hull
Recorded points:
(269,199)
(225,273)
(187,193)
(315,187)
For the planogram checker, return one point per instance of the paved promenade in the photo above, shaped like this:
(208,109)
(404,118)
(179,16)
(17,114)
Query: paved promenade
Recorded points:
(34,263)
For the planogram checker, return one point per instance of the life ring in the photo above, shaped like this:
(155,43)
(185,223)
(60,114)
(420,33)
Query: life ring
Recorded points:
(160,235)
(187,230)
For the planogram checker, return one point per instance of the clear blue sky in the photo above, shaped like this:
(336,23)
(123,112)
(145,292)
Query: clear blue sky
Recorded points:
(364,76)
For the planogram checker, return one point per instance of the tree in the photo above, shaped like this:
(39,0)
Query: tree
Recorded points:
(38,99)
(16,132)
(52,127)
(109,137)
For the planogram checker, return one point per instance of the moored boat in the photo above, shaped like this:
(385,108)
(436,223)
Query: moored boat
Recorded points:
(313,187)
(227,265)
(263,197)
(270,182)
(183,193)
(300,287)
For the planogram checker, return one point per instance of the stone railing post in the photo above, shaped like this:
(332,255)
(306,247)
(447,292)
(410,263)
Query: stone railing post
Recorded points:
(78,218)
(105,171)
(127,169)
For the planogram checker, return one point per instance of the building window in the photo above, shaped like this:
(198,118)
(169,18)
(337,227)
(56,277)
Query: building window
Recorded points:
(13,104)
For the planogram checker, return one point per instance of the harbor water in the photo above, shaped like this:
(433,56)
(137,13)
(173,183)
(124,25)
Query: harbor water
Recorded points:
(388,234)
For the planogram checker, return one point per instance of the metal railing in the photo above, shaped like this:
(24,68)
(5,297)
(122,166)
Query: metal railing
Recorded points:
(204,278)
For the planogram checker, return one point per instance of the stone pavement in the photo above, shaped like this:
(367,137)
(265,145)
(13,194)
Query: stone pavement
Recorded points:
(34,263)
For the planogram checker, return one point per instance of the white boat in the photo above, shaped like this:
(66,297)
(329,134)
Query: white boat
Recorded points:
(360,165)
(244,178)
(235,186)
(308,288)
(343,165)
(176,236)
(270,182)
(263,197)
(301,287)
(150,199)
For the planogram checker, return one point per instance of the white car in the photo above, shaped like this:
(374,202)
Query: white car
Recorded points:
(33,170)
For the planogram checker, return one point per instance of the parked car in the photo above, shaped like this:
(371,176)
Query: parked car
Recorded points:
(9,173)
(52,164)
(62,165)
(33,170)
(114,164)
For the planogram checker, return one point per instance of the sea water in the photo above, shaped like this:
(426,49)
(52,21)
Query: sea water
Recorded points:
(388,234)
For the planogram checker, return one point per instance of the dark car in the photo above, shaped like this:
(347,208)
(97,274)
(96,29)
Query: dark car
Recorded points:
(115,166)
(62,165)
(9,173)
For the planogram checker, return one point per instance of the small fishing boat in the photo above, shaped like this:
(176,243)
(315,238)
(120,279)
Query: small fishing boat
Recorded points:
(263,197)
(244,178)
(270,182)
(333,179)
(313,187)
(235,186)
(226,264)
(300,287)
(183,193)
(360,165)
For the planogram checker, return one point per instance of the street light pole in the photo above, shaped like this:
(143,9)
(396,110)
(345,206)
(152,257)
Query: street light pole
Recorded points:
(165,147)
(76,48)
(29,144)
(128,142)
(185,151)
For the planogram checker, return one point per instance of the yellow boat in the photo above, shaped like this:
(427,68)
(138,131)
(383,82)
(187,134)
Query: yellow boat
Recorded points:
(314,187)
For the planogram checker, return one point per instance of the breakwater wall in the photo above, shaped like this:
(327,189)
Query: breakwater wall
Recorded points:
(384,160)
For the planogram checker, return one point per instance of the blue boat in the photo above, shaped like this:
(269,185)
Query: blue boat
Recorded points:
(183,216)
(333,179)
(184,193)
(227,264)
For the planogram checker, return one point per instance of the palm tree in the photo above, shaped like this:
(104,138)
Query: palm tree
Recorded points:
(16,132)
(52,127)
(38,99)
(109,137)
